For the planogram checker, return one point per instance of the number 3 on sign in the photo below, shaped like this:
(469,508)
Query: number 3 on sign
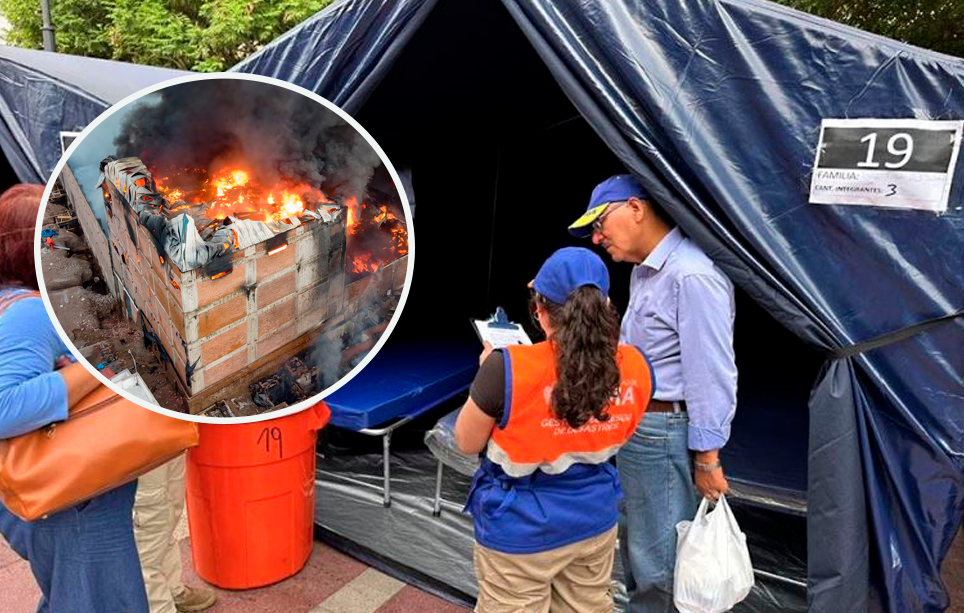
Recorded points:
(892,148)
(271,437)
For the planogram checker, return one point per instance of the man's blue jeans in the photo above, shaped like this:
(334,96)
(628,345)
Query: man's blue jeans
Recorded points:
(656,472)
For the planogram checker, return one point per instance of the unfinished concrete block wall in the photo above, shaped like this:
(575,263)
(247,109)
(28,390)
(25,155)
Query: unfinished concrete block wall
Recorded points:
(265,304)
(149,281)
(156,285)
(367,292)
(392,275)
(213,328)
(93,232)
(278,291)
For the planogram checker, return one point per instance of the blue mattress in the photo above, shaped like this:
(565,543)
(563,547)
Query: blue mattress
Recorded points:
(406,378)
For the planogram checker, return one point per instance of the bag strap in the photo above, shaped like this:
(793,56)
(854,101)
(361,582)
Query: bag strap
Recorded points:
(10,298)
(730,518)
(701,511)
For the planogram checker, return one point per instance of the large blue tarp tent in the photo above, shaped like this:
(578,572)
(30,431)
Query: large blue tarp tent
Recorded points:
(43,94)
(509,114)
(716,106)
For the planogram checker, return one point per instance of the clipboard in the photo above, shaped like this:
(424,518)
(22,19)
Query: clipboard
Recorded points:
(499,332)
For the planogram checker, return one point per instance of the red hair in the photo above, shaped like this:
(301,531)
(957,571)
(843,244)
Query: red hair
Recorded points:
(18,221)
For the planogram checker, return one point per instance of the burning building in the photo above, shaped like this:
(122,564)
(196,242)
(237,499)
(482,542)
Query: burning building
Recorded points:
(233,284)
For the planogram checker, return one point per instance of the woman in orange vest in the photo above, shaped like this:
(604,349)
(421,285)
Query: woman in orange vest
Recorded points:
(549,418)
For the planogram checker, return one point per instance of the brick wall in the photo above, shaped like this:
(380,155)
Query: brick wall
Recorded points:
(391,275)
(148,281)
(267,301)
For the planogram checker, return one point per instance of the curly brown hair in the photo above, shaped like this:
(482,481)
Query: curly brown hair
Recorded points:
(585,338)
(18,220)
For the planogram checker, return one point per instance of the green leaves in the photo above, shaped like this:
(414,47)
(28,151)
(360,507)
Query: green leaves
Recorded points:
(25,21)
(213,35)
(185,34)
(931,24)
(149,32)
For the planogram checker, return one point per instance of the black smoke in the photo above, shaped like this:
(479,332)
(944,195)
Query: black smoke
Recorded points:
(275,133)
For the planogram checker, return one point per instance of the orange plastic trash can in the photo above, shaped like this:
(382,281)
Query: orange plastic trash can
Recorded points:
(251,498)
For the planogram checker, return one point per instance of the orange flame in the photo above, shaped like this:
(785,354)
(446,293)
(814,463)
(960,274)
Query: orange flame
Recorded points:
(354,214)
(218,276)
(292,205)
(233,179)
(234,190)
(373,218)
(363,263)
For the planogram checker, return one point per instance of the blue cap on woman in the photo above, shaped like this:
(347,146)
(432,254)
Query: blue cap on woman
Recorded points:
(567,270)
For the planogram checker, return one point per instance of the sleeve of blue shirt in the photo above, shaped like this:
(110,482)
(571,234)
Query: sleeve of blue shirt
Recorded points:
(32,393)
(705,308)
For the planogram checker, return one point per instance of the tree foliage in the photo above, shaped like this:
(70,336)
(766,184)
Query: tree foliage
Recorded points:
(931,24)
(205,36)
(213,35)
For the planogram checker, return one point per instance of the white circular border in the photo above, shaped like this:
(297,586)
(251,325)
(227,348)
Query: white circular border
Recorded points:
(272,414)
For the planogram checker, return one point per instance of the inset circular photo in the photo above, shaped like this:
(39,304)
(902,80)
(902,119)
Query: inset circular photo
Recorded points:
(225,246)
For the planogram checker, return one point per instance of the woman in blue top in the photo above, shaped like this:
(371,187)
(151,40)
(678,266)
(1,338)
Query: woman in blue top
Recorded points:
(83,558)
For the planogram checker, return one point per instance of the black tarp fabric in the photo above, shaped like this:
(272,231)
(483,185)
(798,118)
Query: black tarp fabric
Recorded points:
(716,106)
(43,94)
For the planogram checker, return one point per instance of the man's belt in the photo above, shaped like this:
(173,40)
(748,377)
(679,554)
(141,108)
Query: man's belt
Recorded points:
(663,406)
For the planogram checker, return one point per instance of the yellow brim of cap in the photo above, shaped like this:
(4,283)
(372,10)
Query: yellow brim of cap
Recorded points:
(588,217)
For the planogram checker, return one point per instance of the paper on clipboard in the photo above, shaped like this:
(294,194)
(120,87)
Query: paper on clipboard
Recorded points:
(499,332)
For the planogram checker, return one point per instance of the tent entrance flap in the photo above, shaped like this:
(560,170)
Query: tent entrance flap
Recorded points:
(499,185)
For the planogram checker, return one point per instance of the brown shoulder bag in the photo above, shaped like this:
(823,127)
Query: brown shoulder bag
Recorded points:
(105,442)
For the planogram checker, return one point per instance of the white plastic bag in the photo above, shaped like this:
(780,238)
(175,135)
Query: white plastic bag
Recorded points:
(713,570)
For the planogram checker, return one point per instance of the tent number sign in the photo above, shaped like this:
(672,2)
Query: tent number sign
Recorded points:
(893,163)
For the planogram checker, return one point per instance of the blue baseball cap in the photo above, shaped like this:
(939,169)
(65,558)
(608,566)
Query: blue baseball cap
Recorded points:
(618,188)
(567,270)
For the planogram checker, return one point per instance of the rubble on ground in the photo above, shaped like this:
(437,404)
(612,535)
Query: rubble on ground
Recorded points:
(52,211)
(66,238)
(61,272)
(79,309)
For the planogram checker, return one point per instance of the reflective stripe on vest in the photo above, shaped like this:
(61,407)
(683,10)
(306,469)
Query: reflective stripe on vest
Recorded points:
(535,439)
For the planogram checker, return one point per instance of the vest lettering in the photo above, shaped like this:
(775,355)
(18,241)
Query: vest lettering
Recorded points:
(534,438)
(629,395)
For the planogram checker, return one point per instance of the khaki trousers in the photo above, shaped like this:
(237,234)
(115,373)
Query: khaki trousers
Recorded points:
(157,511)
(570,579)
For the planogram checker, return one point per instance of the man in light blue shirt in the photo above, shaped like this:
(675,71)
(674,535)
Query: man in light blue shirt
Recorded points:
(680,314)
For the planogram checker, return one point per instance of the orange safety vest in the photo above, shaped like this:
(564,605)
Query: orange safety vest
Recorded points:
(533,438)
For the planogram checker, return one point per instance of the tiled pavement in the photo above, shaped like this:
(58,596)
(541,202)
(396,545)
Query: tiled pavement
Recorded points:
(334,583)
(330,583)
